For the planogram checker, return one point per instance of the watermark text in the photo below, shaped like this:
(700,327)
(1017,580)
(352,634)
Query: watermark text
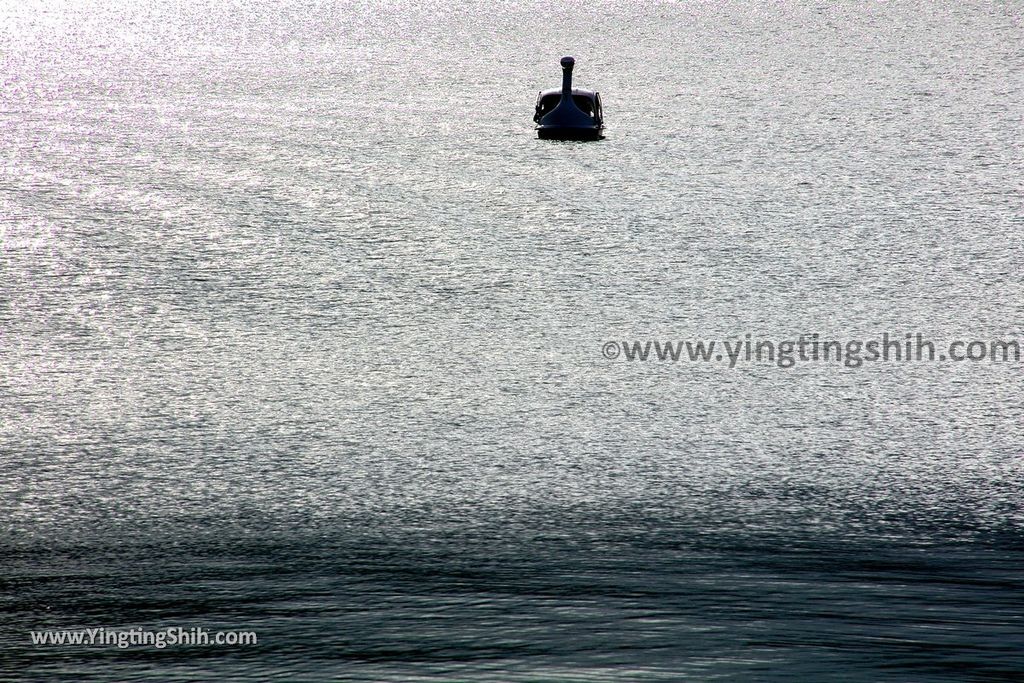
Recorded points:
(174,636)
(814,348)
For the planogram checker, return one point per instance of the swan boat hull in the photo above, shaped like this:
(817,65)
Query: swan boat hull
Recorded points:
(570,133)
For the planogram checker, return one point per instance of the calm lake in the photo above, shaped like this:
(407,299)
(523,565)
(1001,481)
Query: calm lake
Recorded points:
(304,333)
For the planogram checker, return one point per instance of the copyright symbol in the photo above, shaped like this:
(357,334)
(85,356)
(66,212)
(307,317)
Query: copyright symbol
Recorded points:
(610,350)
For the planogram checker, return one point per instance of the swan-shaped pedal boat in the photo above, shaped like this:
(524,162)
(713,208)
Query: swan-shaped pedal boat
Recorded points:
(569,113)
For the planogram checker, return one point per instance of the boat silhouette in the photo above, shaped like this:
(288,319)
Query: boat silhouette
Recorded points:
(569,113)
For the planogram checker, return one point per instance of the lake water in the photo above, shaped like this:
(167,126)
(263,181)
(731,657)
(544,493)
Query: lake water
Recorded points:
(301,333)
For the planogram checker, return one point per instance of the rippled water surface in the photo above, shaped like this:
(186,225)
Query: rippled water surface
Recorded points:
(301,333)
